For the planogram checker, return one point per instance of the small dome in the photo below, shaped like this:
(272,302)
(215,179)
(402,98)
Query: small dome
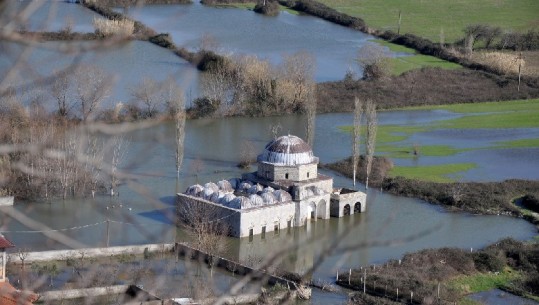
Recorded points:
(212,186)
(194,190)
(240,202)
(244,186)
(227,199)
(225,186)
(268,189)
(255,189)
(216,196)
(282,196)
(287,150)
(206,193)
(268,198)
(256,200)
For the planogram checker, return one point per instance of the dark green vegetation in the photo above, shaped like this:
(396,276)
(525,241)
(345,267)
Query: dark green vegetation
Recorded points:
(267,7)
(476,197)
(448,274)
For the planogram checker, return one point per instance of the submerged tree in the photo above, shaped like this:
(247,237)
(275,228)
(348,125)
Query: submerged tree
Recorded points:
(175,101)
(310,109)
(356,135)
(370,139)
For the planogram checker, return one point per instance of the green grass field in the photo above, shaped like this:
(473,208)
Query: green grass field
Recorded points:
(400,65)
(511,114)
(431,18)
(434,173)
(484,281)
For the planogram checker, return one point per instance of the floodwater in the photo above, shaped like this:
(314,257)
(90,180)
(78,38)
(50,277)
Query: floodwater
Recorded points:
(500,297)
(127,63)
(240,31)
(49,16)
(144,210)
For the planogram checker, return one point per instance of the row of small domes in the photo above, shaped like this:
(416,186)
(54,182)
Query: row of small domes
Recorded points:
(222,192)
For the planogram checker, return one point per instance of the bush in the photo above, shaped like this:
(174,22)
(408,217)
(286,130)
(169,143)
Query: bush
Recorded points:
(209,60)
(163,40)
(530,202)
(267,7)
(320,10)
(122,27)
(488,261)
(203,107)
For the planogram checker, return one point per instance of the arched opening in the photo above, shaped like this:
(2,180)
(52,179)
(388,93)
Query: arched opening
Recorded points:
(346,210)
(321,209)
(286,176)
(312,211)
(357,207)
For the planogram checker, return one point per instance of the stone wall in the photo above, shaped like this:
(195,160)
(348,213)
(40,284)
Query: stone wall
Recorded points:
(293,173)
(347,197)
(42,256)
(7,201)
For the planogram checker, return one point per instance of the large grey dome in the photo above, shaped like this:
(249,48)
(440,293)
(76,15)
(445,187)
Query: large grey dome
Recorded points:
(287,150)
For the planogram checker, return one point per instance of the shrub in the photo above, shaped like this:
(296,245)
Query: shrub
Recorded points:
(163,40)
(488,261)
(123,27)
(530,202)
(267,7)
(203,107)
(502,63)
(209,60)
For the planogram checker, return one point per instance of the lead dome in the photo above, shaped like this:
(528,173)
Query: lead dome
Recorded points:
(287,150)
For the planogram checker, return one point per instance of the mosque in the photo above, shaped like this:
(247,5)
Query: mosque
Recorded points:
(286,191)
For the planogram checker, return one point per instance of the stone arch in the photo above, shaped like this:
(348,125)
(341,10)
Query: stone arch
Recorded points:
(346,210)
(312,211)
(321,209)
(357,207)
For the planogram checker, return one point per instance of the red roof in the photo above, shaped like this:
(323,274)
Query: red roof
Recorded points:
(9,295)
(4,243)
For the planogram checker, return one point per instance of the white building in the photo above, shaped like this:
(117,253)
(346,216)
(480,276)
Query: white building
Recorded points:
(286,191)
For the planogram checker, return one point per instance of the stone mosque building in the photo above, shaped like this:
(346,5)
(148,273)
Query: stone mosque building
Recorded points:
(286,191)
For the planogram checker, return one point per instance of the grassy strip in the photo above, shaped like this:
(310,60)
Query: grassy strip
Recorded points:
(251,5)
(433,173)
(484,281)
(484,107)
(522,143)
(400,65)
(394,151)
(435,19)
(521,119)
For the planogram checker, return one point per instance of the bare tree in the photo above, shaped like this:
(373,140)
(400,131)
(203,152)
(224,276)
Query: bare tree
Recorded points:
(373,59)
(299,70)
(175,101)
(119,149)
(147,93)
(93,85)
(356,135)
(370,139)
(202,222)
(61,92)
(310,111)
